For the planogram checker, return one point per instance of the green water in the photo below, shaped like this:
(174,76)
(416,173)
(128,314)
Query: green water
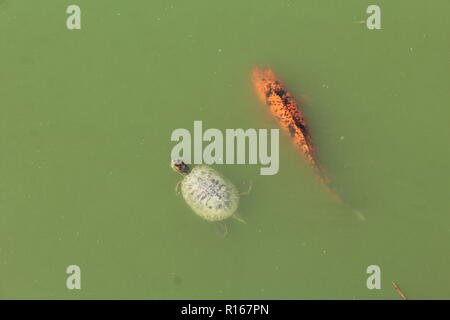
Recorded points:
(85,123)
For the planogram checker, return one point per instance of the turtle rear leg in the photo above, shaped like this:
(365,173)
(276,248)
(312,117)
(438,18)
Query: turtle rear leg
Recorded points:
(237,217)
(222,228)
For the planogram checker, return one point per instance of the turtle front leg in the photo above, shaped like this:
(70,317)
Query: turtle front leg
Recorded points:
(178,187)
(246,193)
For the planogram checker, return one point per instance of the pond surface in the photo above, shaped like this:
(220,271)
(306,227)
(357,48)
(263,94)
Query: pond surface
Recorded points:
(85,123)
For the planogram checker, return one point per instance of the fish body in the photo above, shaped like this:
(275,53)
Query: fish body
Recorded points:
(292,120)
(287,111)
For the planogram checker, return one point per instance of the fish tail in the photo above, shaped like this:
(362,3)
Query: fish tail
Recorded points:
(358,214)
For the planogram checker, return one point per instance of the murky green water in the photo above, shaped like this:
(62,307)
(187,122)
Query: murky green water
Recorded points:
(85,123)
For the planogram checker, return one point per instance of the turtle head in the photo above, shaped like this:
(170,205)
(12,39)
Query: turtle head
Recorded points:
(180,166)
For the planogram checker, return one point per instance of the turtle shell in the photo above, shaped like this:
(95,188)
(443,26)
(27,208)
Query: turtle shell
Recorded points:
(212,196)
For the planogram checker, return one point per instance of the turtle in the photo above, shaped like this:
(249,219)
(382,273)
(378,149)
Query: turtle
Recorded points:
(209,194)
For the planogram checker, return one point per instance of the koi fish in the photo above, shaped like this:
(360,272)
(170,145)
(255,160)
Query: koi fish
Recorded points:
(290,117)
(292,120)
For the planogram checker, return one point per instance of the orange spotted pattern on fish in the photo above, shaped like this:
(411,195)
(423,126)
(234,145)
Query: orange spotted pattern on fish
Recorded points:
(291,119)
(285,108)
